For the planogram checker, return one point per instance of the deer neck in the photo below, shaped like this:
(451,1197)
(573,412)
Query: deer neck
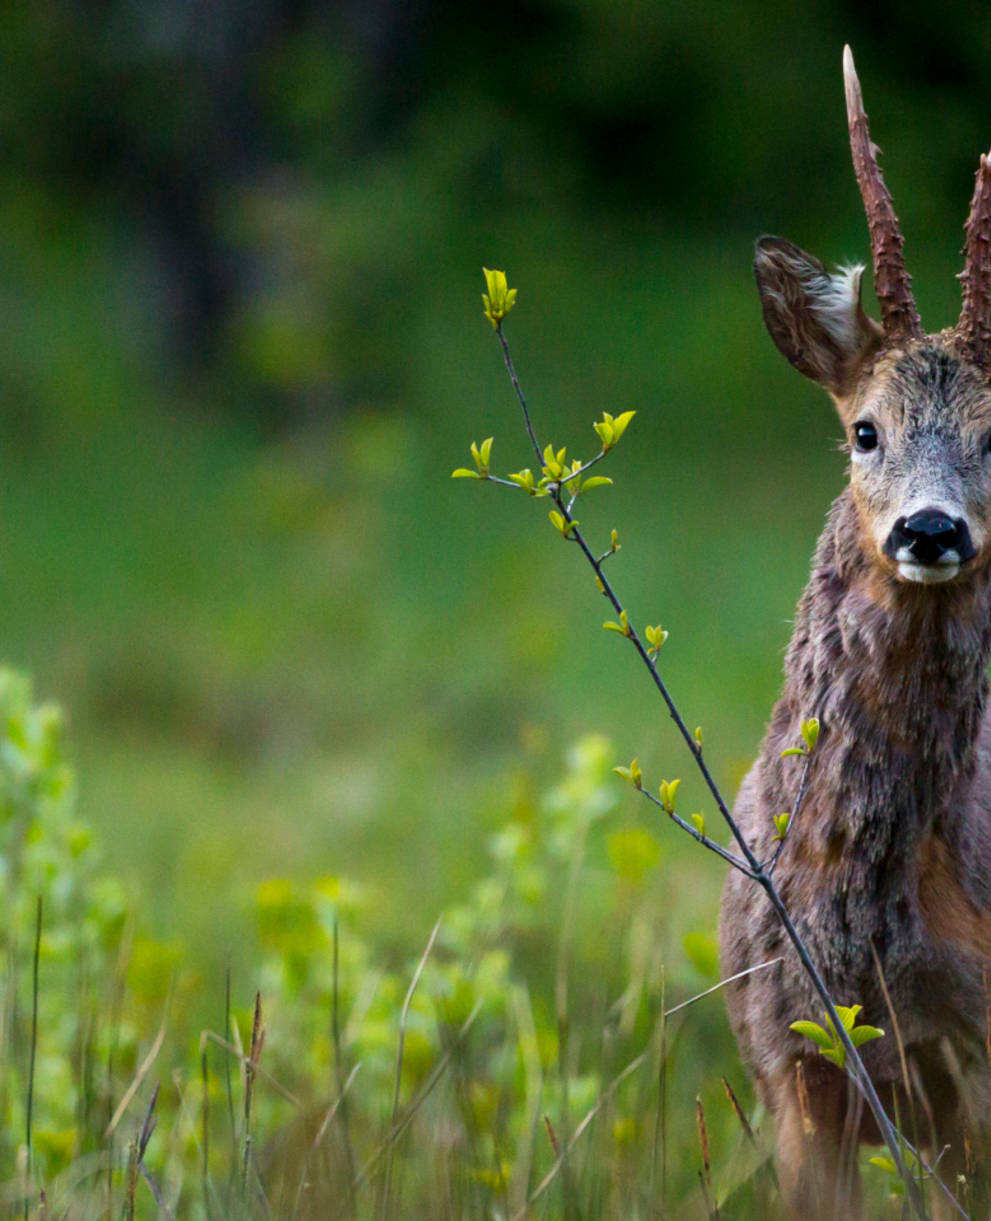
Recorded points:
(896,673)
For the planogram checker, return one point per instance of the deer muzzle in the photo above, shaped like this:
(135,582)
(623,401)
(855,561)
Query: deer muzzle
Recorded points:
(930,546)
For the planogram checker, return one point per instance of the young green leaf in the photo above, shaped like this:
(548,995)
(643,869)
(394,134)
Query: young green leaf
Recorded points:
(781,822)
(864,1034)
(698,735)
(810,732)
(524,479)
(553,467)
(623,627)
(887,1164)
(596,481)
(793,750)
(848,1015)
(633,774)
(828,1041)
(614,543)
(656,637)
(813,1031)
(669,791)
(499,299)
(481,456)
(561,523)
(604,428)
(620,424)
(463,473)
(610,429)
(699,821)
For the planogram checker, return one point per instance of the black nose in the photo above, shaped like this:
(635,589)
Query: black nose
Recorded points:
(930,534)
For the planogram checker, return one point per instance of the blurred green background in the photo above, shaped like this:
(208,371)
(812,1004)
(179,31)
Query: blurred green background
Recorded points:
(241,349)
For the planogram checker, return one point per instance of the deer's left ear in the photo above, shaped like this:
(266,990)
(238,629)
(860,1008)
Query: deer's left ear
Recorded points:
(815,318)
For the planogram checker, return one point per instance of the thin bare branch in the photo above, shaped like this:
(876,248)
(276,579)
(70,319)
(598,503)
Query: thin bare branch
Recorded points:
(702,838)
(803,788)
(519,394)
(753,867)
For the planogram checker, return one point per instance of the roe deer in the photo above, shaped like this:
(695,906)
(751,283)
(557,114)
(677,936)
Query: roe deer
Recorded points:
(887,866)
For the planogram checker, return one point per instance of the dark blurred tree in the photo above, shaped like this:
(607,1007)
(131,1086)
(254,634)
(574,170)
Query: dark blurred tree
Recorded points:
(234,146)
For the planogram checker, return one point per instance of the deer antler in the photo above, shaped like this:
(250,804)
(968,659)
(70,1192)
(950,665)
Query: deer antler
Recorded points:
(975,316)
(892,283)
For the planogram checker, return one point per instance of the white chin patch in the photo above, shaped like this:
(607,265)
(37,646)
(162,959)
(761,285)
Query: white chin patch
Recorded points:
(927,574)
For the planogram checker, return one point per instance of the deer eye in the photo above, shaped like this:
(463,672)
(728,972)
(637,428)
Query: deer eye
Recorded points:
(864,436)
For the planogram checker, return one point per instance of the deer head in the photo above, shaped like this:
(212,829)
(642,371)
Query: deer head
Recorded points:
(916,408)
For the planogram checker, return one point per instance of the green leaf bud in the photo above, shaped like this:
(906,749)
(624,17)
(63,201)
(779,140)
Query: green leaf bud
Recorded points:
(623,627)
(499,299)
(561,523)
(656,637)
(632,773)
(828,1041)
(524,479)
(481,456)
(669,791)
(620,424)
(610,429)
(810,732)
(553,463)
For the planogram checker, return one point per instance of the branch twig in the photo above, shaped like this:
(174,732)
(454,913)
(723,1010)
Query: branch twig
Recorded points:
(803,788)
(749,865)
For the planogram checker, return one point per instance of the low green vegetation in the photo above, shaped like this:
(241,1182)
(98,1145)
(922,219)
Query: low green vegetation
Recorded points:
(542,1056)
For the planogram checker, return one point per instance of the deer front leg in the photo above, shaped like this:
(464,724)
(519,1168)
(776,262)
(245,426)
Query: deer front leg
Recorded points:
(818,1120)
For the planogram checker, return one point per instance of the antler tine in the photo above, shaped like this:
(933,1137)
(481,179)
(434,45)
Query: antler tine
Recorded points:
(892,283)
(975,316)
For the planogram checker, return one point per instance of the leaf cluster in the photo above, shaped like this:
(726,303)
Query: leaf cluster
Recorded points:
(828,1041)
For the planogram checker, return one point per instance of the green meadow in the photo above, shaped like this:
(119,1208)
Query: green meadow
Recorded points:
(322,706)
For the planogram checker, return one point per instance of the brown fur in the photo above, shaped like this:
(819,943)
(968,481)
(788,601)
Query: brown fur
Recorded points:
(891,851)
(947,911)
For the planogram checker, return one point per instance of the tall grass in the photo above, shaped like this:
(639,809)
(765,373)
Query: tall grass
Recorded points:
(548,1053)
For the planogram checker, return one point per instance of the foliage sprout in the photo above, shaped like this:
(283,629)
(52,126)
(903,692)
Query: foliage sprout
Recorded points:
(828,1041)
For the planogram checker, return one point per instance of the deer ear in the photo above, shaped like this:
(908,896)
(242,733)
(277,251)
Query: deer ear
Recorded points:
(815,318)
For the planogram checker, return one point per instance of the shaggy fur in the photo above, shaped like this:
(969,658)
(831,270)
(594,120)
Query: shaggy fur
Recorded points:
(888,864)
